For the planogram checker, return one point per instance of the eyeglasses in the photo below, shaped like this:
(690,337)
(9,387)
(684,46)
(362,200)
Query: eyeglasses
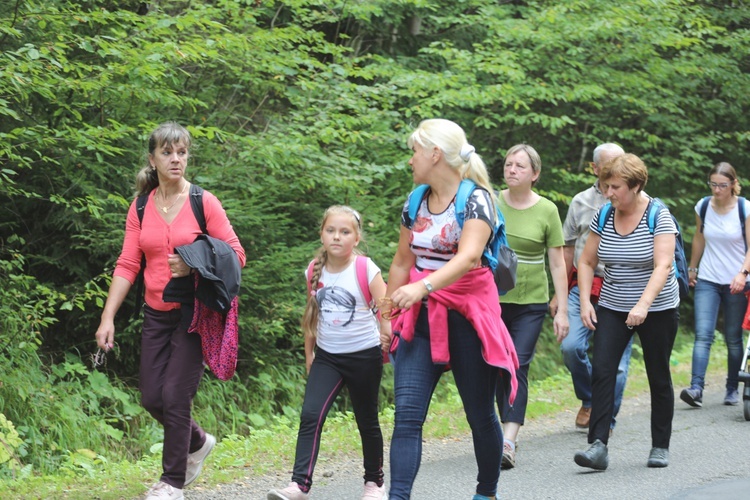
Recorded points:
(721,186)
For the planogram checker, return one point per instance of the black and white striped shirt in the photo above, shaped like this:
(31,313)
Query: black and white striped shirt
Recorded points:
(629,262)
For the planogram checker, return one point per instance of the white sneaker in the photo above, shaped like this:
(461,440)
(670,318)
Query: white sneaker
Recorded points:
(164,491)
(291,492)
(195,460)
(373,491)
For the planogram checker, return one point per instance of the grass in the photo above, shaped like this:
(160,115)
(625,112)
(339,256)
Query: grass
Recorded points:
(271,449)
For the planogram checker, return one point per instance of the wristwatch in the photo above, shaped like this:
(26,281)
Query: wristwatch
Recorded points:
(745,272)
(428,286)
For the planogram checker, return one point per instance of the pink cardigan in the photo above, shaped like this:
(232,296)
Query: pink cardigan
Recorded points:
(156,239)
(475,297)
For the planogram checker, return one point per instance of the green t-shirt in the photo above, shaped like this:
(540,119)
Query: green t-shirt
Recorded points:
(530,233)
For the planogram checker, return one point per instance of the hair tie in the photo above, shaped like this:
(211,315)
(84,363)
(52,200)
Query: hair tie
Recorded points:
(466,151)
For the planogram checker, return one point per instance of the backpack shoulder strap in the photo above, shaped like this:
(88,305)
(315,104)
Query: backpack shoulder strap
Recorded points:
(308,275)
(364,284)
(655,205)
(415,199)
(465,189)
(704,208)
(652,211)
(140,209)
(604,213)
(196,203)
(741,211)
(140,206)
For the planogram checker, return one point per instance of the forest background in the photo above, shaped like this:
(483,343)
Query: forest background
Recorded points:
(295,105)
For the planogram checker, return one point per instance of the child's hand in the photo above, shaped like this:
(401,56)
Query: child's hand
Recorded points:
(385,335)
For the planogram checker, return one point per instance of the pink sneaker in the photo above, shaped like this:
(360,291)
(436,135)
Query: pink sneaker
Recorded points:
(373,491)
(291,492)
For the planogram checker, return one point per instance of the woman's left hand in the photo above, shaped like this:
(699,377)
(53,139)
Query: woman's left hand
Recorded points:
(408,295)
(561,325)
(738,283)
(177,266)
(637,315)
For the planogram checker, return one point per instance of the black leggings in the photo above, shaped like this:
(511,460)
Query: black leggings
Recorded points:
(361,373)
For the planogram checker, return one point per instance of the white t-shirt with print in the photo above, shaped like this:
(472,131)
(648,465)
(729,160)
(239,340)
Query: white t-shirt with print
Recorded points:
(346,324)
(435,237)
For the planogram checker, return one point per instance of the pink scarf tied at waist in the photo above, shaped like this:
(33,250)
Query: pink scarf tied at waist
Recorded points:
(475,297)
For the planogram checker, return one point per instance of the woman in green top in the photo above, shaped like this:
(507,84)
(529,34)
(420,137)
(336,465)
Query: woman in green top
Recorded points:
(533,226)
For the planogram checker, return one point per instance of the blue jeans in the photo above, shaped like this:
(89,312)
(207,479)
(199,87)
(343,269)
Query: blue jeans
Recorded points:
(708,297)
(415,378)
(575,356)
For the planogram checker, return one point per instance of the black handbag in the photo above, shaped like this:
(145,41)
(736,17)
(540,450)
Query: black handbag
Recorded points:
(505,272)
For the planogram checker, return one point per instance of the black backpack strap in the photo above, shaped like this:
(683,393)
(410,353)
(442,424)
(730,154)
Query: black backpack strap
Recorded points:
(704,208)
(741,211)
(196,203)
(140,208)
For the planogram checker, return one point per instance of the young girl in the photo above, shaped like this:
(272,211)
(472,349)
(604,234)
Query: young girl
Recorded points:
(342,347)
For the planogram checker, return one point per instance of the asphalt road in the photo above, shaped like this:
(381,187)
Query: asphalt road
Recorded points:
(709,459)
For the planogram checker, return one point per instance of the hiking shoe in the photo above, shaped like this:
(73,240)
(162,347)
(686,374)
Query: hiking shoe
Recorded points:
(596,457)
(509,456)
(583,417)
(692,396)
(291,492)
(164,491)
(373,491)
(195,460)
(732,398)
(659,457)
(482,497)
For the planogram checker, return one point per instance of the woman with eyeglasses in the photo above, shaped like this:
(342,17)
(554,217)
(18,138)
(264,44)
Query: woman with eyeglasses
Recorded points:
(719,268)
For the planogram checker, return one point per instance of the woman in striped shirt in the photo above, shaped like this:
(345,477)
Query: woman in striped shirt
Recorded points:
(640,294)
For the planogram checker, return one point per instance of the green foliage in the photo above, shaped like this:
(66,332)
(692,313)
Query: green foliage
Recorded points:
(296,105)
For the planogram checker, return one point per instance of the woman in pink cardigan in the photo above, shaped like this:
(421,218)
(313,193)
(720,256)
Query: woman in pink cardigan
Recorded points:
(171,358)
(450,311)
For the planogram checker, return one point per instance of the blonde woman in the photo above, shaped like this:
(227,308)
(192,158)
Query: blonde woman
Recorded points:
(450,316)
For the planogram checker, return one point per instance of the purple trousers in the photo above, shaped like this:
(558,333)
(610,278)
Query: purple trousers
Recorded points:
(171,369)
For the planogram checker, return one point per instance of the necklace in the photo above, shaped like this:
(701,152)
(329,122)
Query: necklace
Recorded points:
(337,274)
(166,209)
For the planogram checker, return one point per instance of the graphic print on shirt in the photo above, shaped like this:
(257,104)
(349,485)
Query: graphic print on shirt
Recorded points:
(337,305)
(436,233)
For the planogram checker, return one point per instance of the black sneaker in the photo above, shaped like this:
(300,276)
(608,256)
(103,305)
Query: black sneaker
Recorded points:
(659,457)
(692,396)
(596,457)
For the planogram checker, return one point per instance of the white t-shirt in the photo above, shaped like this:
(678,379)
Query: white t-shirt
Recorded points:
(346,324)
(724,252)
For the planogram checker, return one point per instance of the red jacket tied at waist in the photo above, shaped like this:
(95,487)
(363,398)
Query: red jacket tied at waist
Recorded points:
(475,297)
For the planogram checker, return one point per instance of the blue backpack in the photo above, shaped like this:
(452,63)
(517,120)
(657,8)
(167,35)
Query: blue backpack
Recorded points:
(500,257)
(655,205)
